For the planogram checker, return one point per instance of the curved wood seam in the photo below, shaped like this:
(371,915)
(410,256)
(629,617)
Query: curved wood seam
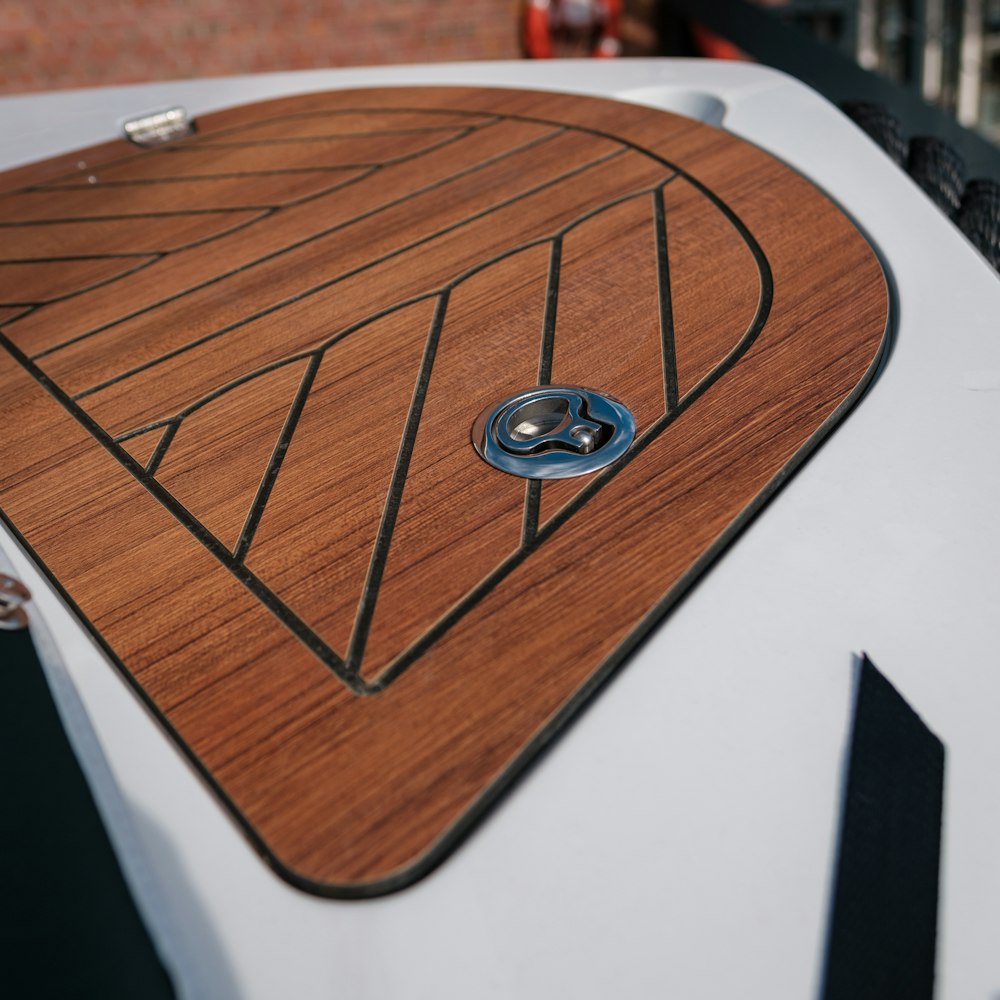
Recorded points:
(495,120)
(506,117)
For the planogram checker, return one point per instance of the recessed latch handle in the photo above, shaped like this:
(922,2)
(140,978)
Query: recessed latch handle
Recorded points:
(554,432)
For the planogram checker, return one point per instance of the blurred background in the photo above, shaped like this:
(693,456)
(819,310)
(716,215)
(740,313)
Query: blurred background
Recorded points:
(946,51)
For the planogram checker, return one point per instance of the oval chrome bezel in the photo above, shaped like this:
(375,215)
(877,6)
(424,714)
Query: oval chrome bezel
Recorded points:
(555,464)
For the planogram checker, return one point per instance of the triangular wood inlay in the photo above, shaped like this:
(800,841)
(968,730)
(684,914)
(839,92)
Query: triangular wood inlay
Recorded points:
(218,458)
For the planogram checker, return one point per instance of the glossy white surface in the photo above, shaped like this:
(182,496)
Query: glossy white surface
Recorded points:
(678,840)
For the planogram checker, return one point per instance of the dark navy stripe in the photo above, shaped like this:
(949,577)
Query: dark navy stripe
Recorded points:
(883,925)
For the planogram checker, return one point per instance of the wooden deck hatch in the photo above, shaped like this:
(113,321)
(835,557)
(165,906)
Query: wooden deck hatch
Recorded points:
(238,377)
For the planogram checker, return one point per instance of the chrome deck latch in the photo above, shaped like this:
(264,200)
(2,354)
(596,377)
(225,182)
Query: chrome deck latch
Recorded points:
(554,432)
(159,127)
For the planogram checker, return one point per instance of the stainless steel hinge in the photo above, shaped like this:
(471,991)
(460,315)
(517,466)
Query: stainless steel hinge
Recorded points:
(159,127)
(13,594)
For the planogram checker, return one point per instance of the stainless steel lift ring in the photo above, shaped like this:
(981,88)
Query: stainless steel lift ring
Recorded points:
(554,432)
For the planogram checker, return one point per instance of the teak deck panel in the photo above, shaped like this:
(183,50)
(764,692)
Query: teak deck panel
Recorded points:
(237,380)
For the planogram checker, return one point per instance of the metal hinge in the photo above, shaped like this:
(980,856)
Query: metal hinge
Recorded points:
(13,594)
(159,127)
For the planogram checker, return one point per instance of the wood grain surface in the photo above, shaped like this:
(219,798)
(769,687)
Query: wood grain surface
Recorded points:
(237,380)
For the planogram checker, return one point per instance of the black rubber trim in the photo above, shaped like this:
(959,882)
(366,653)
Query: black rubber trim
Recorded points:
(883,926)
(71,928)
(939,171)
(881,126)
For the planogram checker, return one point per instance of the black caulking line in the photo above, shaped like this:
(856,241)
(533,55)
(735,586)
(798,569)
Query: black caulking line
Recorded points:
(80,256)
(666,306)
(322,286)
(454,136)
(202,240)
(274,465)
(121,218)
(489,161)
(297,140)
(533,488)
(532,502)
(150,252)
(380,552)
(152,259)
(551,307)
(10,320)
(202,178)
(161,447)
(205,140)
